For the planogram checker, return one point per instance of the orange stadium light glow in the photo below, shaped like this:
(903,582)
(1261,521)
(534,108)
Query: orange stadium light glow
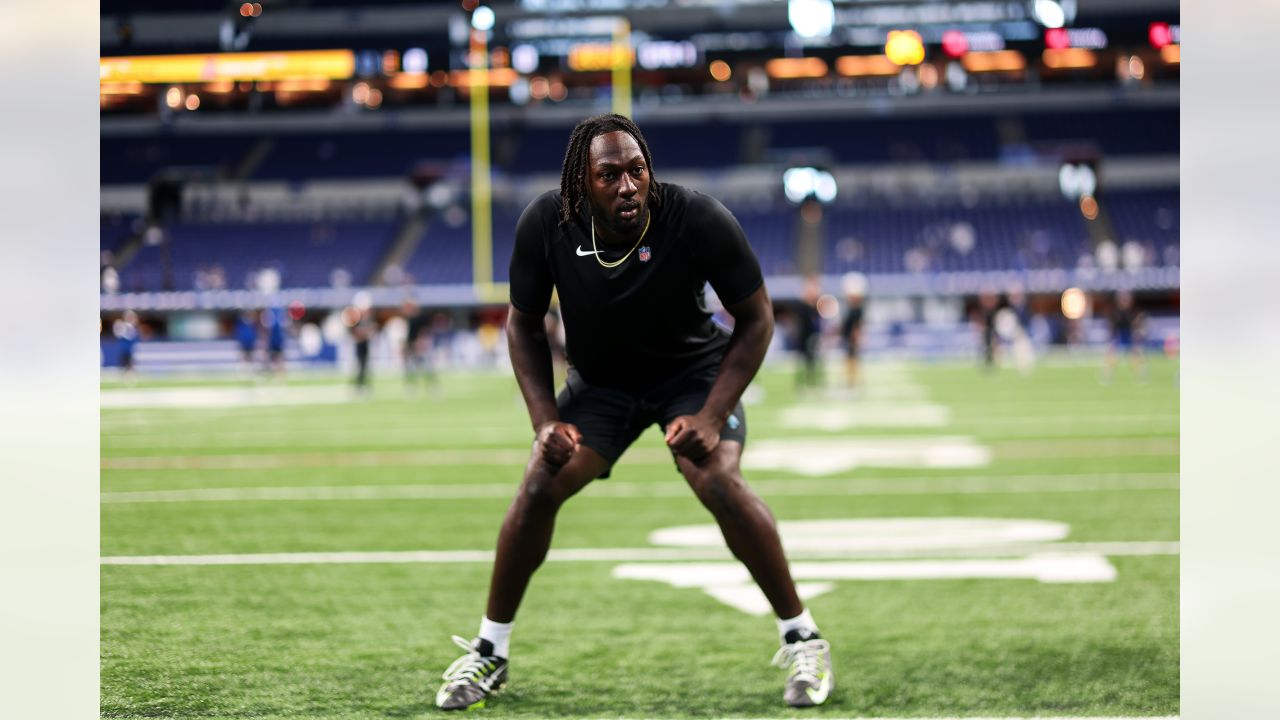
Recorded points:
(220,87)
(996,61)
(789,68)
(409,81)
(1171,54)
(863,65)
(499,77)
(120,88)
(593,57)
(330,64)
(1069,58)
(301,85)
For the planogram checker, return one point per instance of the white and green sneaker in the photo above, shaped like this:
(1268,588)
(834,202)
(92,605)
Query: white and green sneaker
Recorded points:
(807,660)
(472,677)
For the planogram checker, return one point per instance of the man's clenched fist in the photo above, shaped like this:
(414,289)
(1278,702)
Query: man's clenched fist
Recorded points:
(556,442)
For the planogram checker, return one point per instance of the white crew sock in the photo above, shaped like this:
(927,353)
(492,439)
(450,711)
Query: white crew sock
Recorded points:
(497,633)
(803,621)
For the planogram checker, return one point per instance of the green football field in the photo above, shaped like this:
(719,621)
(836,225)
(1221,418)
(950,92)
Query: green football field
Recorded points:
(984,545)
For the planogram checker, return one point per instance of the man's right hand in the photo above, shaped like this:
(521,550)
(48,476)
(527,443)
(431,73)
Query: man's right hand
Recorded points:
(556,442)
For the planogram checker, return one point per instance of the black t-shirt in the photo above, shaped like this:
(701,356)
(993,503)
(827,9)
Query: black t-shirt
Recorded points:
(808,322)
(1122,320)
(633,326)
(418,325)
(852,320)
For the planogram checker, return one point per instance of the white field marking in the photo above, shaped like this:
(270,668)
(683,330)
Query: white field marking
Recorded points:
(803,456)
(320,438)
(455,557)
(916,534)
(1094,447)
(731,584)
(223,397)
(743,595)
(966,485)
(828,456)
(834,418)
(372,458)
(327,435)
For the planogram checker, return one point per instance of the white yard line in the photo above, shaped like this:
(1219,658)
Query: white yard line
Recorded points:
(963,485)
(133,427)
(1022,449)
(441,557)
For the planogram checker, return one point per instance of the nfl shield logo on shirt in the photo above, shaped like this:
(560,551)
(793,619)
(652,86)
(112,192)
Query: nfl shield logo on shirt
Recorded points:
(645,254)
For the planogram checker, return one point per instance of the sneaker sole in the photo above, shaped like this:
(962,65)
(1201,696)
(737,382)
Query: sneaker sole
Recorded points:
(479,704)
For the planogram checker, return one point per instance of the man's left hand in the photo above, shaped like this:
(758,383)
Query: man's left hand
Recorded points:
(694,436)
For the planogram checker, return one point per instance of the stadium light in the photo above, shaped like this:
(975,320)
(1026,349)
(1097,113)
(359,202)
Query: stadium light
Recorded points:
(954,43)
(1076,180)
(1074,303)
(483,18)
(802,183)
(904,47)
(792,68)
(811,18)
(524,58)
(1048,13)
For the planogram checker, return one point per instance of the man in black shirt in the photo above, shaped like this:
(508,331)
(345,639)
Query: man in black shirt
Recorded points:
(851,327)
(1126,324)
(809,335)
(416,351)
(630,259)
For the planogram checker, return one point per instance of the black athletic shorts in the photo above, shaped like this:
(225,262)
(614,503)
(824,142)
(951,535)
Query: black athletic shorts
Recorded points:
(610,420)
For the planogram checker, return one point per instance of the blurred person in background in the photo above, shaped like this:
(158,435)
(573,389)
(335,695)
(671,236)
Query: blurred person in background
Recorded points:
(1126,325)
(362,332)
(441,339)
(1019,328)
(416,351)
(855,288)
(273,320)
(246,333)
(985,320)
(488,334)
(629,259)
(809,335)
(127,331)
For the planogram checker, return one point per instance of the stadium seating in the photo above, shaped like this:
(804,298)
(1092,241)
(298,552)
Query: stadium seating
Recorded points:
(1037,235)
(519,149)
(115,229)
(305,254)
(130,159)
(444,253)
(1135,132)
(1150,217)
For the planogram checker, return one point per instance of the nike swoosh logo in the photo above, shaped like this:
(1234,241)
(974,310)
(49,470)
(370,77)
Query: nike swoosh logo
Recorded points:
(584,253)
(819,694)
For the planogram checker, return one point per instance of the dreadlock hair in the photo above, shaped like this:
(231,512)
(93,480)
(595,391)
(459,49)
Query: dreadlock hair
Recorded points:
(573,174)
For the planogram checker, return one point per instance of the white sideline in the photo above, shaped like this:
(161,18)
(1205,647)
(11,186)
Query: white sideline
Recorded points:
(963,485)
(918,484)
(1022,449)
(1135,549)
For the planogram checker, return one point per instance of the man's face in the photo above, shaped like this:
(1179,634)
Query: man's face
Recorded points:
(617,182)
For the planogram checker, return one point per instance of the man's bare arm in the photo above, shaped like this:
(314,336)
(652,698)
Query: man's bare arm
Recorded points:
(531,360)
(697,435)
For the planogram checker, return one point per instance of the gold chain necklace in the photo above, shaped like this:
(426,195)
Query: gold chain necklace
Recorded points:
(616,263)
